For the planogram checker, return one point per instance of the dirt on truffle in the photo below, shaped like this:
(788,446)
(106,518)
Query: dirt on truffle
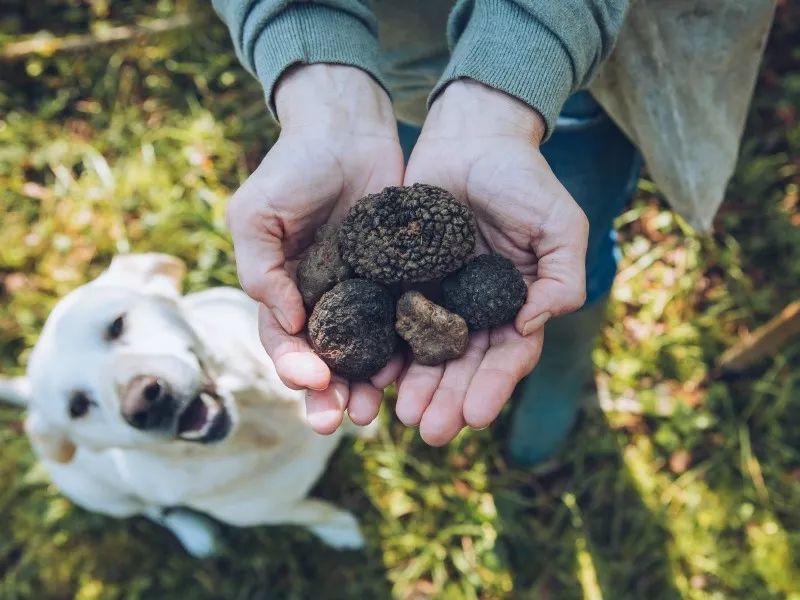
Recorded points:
(435,334)
(407,234)
(352,328)
(487,292)
(322,268)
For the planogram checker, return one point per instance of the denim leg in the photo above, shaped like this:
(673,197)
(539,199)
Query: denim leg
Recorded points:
(599,167)
(408,137)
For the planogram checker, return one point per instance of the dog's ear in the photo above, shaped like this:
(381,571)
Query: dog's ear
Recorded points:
(151,273)
(49,441)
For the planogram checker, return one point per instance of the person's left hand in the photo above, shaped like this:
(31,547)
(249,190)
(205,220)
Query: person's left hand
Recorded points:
(482,146)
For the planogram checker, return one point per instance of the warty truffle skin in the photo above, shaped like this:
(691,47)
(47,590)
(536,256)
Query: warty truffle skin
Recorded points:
(488,291)
(407,234)
(352,328)
(322,268)
(435,334)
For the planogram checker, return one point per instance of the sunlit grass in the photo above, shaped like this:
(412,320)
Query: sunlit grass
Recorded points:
(679,485)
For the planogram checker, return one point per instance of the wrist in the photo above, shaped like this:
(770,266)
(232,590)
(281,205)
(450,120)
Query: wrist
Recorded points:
(468,105)
(326,97)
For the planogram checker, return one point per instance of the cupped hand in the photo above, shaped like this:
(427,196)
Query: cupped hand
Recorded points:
(482,145)
(338,142)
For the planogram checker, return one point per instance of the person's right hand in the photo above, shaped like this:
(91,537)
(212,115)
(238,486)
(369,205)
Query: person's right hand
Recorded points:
(338,142)
(522,212)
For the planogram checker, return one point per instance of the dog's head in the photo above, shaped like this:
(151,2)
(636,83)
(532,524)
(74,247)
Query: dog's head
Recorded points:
(118,365)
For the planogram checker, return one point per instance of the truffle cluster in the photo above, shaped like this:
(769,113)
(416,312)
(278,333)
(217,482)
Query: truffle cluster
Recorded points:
(402,235)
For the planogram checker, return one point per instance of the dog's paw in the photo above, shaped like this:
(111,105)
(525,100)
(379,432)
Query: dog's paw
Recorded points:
(342,532)
(196,534)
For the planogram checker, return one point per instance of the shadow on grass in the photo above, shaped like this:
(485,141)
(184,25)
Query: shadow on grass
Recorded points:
(580,529)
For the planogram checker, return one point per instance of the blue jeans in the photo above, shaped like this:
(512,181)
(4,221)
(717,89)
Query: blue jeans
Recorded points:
(599,166)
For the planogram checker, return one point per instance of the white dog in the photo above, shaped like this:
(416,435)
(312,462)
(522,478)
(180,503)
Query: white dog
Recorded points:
(146,402)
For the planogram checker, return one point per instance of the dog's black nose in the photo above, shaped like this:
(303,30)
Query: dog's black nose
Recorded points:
(147,403)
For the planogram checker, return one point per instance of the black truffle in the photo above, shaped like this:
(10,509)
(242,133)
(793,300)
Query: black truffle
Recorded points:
(408,234)
(487,292)
(352,328)
(322,268)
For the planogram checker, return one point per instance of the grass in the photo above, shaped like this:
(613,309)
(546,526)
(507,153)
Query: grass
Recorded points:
(677,486)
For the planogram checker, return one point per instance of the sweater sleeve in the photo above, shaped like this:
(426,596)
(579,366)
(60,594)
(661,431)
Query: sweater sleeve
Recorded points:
(269,36)
(536,50)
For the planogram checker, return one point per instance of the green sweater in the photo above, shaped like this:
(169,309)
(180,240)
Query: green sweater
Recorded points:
(539,51)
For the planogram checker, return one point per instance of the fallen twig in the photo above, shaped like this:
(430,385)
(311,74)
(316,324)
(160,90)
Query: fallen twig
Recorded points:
(765,341)
(76,43)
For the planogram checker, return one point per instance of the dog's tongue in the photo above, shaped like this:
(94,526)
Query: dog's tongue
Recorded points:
(194,420)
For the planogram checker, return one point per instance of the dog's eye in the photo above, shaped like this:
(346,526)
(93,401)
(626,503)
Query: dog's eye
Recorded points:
(115,328)
(79,405)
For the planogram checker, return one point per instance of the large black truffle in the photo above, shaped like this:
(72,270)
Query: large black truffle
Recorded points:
(408,234)
(487,292)
(352,328)
(322,268)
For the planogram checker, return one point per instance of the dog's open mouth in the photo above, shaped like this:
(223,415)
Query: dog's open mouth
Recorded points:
(204,420)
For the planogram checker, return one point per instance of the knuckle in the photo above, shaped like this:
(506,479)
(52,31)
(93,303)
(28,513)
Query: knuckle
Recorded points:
(251,201)
(237,212)
(582,221)
(252,285)
(576,299)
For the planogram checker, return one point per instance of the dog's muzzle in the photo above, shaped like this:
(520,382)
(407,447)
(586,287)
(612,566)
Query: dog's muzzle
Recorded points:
(148,404)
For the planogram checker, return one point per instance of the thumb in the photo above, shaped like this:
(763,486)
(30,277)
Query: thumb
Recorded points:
(560,284)
(547,298)
(258,241)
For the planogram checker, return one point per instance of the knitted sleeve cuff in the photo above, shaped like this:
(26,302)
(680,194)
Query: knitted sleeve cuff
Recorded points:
(307,33)
(506,48)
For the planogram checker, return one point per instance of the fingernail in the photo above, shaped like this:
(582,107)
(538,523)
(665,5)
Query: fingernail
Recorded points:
(536,323)
(325,422)
(284,322)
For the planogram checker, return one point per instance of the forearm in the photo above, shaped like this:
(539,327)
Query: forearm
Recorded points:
(270,36)
(538,52)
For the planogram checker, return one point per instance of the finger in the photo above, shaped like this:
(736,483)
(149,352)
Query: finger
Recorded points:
(365,402)
(258,240)
(444,417)
(560,284)
(388,374)
(325,408)
(416,391)
(295,362)
(509,358)
(545,298)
